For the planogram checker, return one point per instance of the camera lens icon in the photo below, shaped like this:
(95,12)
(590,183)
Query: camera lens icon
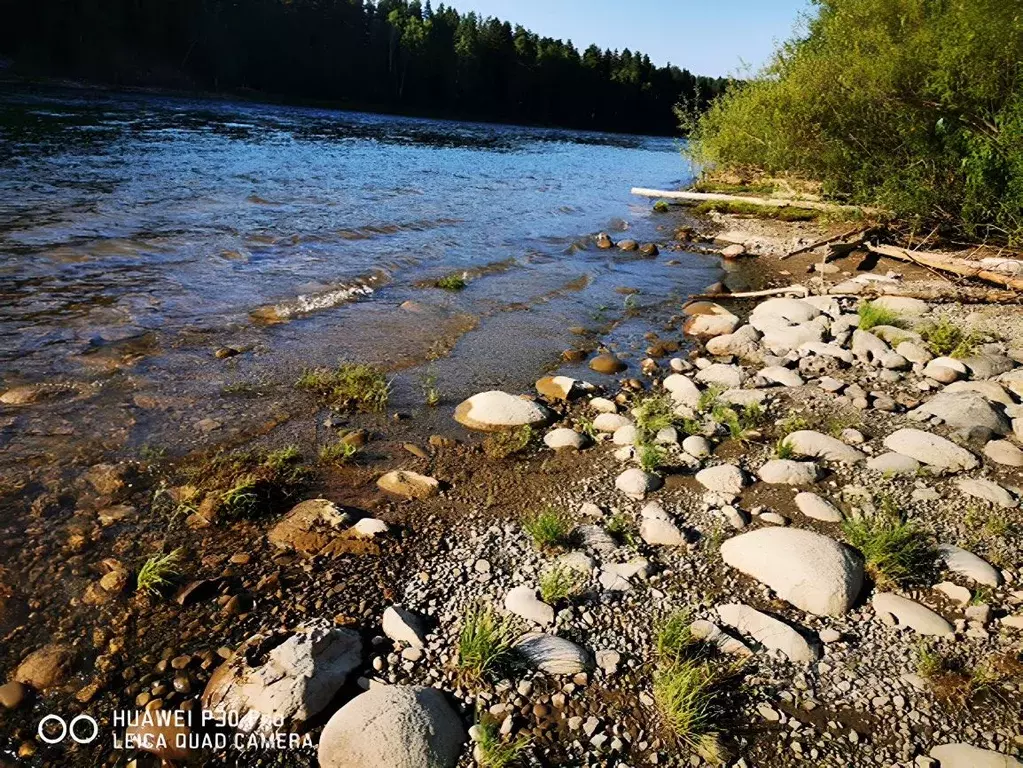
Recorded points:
(79,725)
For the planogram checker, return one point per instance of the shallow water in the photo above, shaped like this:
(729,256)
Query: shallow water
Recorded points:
(139,233)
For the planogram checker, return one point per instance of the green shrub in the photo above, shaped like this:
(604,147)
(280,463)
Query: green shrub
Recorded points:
(653,413)
(508,442)
(660,207)
(945,338)
(453,282)
(651,456)
(912,105)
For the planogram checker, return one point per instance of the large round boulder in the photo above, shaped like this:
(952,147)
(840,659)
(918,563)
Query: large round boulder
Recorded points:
(398,726)
(813,572)
(496,410)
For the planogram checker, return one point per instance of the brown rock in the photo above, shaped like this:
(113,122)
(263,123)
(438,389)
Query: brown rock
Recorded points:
(12,694)
(357,437)
(607,363)
(557,387)
(35,393)
(108,479)
(225,352)
(410,485)
(604,241)
(440,441)
(649,249)
(415,450)
(46,667)
(308,527)
(628,245)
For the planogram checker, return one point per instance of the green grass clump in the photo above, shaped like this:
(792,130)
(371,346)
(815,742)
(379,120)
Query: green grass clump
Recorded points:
(339,453)
(431,393)
(872,315)
(672,638)
(740,421)
(508,442)
(495,751)
(786,213)
(549,529)
(709,398)
(484,642)
(651,456)
(621,529)
(784,449)
(897,553)
(945,338)
(559,583)
(352,386)
(793,423)
(452,282)
(153,575)
(654,413)
(685,695)
(660,207)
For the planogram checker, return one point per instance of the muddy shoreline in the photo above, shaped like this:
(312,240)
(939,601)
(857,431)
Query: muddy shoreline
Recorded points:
(97,514)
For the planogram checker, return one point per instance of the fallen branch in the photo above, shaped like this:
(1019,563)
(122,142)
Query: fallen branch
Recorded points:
(773,202)
(947,263)
(790,290)
(963,295)
(825,241)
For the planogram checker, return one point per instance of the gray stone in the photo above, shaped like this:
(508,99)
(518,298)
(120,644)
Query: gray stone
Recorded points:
(965,563)
(786,377)
(911,614)
(724,478)
(768,631)
(298,678)
(522,601)
(496,410)
(682,389)
(398,726)
(722,375)
(1003,452)
(563,437)
(404,626)
(894,464)
(812,505)
(635,483)
(410,485)
(610,422)
(986,490)
(787,472)
(553,655)
(806,442)
(696,445)
(968,756)
(658,529)
(813,572)
(930,449)
(966,410)
(711,633)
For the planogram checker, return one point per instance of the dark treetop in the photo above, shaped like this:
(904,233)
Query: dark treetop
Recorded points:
(391,54)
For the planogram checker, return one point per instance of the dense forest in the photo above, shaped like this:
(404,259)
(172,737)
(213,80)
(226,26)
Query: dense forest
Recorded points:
(390,55)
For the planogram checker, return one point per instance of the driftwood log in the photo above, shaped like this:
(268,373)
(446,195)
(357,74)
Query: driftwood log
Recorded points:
(963,295)
(774,202)
(947,263)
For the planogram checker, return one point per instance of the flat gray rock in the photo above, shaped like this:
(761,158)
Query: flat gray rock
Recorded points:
(811,571)
(807,442)
(724,478)
(892,463)
(986,490)
(563,437)
(911,614)
(682,389)
(812,505)
(965,563)
(722,375)
(636,483)
(709,632)
(522,601)
(768,631)
(1003,452)
(964,410)
(404,626)
(930,449)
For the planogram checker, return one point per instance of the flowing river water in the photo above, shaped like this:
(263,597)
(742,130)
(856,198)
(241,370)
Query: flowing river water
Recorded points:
(140,233)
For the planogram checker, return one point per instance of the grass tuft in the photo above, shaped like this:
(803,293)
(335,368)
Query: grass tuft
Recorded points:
(495,751)
(740,421)
(873,315)
(549,529)
(508,442)
(896,551)
(621,529)
(339,453)
(672,638)
(685,696)
(660,207)
(560,583)
(353,386)
(651,456)
(484,642)
(787,213)
(154,572)
(784,449)
(946,339)
(654,413)
(452,282)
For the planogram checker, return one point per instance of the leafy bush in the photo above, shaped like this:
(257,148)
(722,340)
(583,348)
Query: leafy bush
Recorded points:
(946,338)
(913,105)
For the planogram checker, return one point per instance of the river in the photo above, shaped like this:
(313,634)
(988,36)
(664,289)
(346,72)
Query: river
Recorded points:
(140,233)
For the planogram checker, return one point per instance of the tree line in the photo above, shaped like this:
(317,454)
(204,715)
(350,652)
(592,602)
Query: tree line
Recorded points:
(396,55)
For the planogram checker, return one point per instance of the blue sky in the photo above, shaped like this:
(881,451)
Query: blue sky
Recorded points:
(708,37)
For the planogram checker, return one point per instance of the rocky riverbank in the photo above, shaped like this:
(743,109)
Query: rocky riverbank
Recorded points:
(797,542)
